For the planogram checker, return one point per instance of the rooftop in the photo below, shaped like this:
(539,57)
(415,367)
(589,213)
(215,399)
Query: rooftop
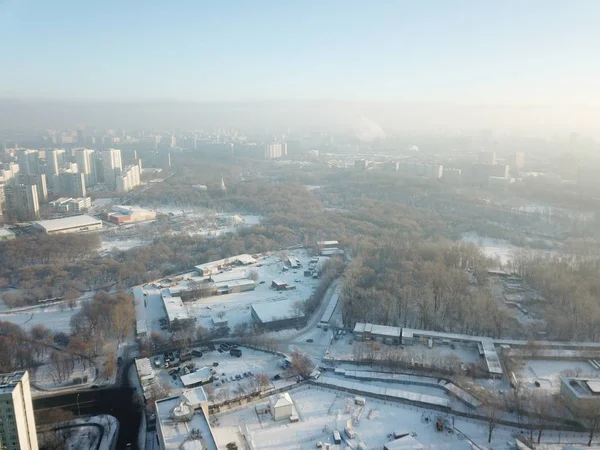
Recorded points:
(175,308)
(68,222)
(583,387)
(404,443)
(272,311)
(144,367)
(5,232)
(8,381)
(191,434)
(199,376)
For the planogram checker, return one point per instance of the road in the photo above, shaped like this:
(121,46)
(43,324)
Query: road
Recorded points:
(304,333)
(114,401)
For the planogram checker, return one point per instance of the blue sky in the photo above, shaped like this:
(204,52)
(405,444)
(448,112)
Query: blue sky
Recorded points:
(485,51)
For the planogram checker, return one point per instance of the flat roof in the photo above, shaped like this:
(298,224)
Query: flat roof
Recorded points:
(8,381)
(404,443)
(278,310)
(199,376)
(594,385)
(140,310)
(176,434)
(379,330)
(68,222)
(241,259)
(230,275)
(175,308)
(144,367)
(195,396)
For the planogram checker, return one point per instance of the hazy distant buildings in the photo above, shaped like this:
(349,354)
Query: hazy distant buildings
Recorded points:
(487,157)
(111,163)
(129,179)
(430,171)
(86,164)
(29,161)
(275,150)
(517,160)
(452,175)
(39,180)
(482,172)
(22,201)
(72,184)
(68,204)
(361,164)
(2,202)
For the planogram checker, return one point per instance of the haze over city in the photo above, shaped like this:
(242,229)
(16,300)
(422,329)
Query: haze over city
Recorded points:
(299,225)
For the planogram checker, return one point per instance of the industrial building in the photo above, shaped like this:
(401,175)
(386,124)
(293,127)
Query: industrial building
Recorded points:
(278,315)
(145,371)
(201,376)
(17,422)
(407,336)
(182,422)
(139,299)
(130,214)
(581,395)
(216,266)
(73,224)
(175,309)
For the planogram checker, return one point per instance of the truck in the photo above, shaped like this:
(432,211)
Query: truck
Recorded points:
(185,357)
(235,352)
(337,439)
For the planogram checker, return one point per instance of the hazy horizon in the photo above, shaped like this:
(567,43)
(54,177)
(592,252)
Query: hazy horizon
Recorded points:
(464,52)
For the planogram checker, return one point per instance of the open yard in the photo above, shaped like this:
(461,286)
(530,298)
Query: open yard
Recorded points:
(547,372)
(321,411)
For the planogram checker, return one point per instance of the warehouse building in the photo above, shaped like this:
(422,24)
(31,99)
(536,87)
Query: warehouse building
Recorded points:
(379,333)
(278,315)
(175,309)
(216,266)
(73,224)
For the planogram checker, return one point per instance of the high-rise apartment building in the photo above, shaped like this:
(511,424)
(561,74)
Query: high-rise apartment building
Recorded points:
(275,150)
(55,159)
(22,201)
(29,161)
(37,180)
(487,157)
(72,184)
(1,202)
(86,164)
(111,162)
(17,422)
(129,179)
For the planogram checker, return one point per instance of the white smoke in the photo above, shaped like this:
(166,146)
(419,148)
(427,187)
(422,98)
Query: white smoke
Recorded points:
(366,130)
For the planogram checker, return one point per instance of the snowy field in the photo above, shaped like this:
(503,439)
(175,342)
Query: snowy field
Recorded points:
(96,432)
(120,244)
(499,249)
(45,377)
(548,372)
(323,410)
(229,366)
(56,317)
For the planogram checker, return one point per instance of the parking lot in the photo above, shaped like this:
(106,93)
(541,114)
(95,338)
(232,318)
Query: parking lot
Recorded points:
(222,374)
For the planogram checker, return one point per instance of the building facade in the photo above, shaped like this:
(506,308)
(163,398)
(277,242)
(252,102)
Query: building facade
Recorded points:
(112,165)
(17,422)
(22,201)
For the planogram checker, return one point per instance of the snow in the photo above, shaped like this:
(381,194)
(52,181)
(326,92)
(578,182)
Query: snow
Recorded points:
(492,248)
(95,432)
(548,373)
(44,377)
(236,306)
(50,316)
(323,410)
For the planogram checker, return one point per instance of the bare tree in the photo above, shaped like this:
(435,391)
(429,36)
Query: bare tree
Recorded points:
(301,364)
(492,410)
(253,275)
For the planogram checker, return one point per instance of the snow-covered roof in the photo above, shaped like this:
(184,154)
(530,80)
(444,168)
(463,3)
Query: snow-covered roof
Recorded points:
(326,243)
(404,443)
(379,330)
(200,376)
(195,397)
(173,434)
(175,309)
(140,311)
(333,301)
(279,310)
(229,276)
(244,259)
(144,367)
(66,223)
(281,400)
(594,385)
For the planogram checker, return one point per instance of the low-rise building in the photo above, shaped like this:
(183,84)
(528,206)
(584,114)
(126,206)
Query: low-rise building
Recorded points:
(278,315)
(201,376)
(216,266)
(582,395)
(182,422)
(73,224)
(69,204)
(145,372)
(379,333)
(130,214)
(175,309)
(282,406)
(6,234)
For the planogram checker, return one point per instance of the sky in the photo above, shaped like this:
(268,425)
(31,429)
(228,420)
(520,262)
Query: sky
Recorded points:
(525,52)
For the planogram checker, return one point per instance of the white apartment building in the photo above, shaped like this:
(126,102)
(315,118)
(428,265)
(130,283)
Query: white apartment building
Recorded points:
(17,423)
(129,179)
(112,165)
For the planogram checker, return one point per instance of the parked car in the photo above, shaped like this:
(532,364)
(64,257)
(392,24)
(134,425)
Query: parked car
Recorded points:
(157,362)
(119,361)
(215,364)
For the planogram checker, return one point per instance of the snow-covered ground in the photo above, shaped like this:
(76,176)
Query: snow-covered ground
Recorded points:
(254,361)
(96,432)
(323,410)
(56,317)
(548,372)
(45,377)
(236,307)
(120,244)
(499,249)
